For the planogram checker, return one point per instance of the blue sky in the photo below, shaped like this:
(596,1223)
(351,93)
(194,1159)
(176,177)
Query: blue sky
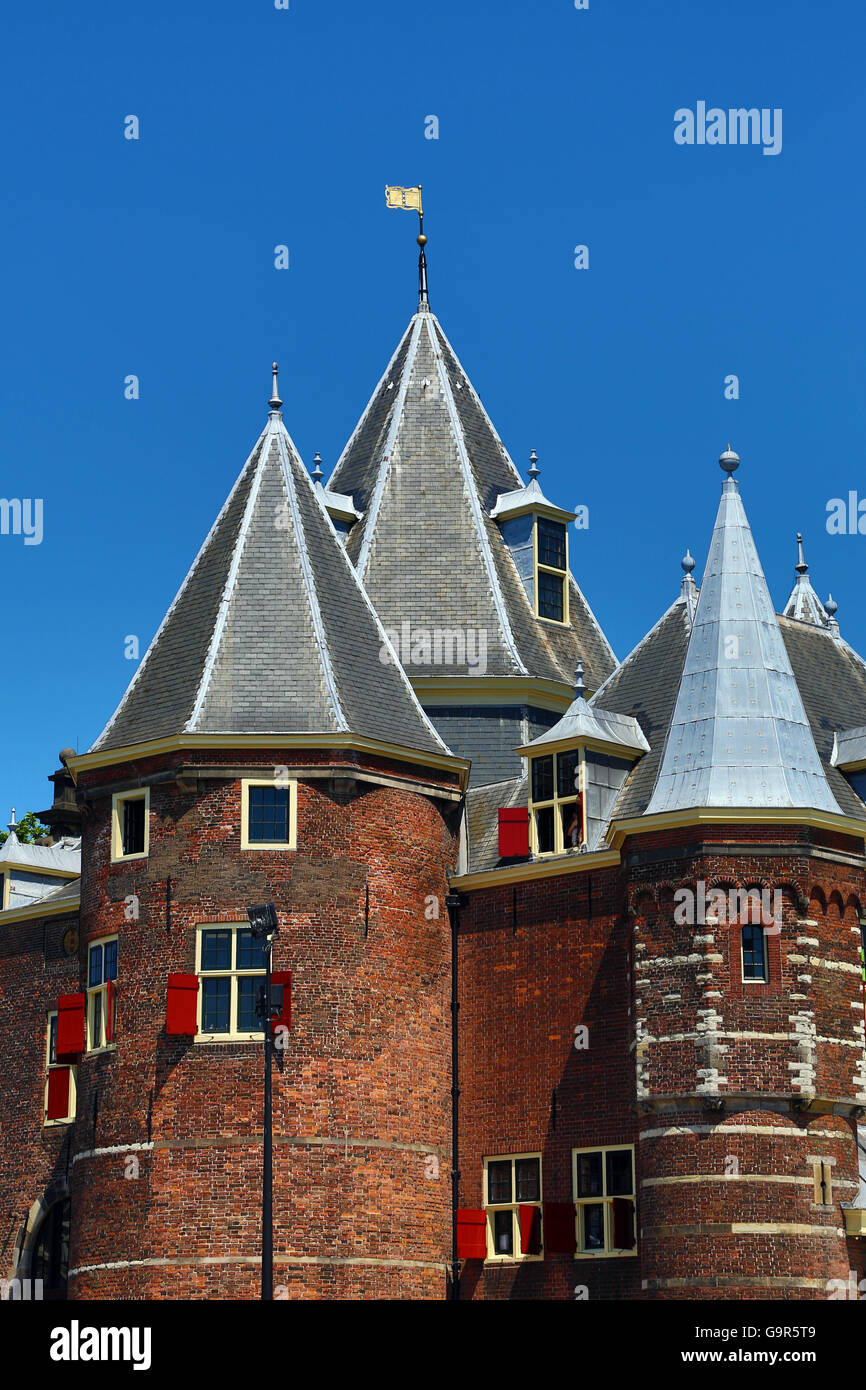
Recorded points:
(261,127)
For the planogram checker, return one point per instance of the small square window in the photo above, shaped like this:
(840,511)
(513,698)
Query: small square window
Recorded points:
(231,967)
(268,814)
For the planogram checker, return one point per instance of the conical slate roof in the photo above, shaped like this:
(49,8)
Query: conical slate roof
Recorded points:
(739,734)
(426,466)
(803,603)
(271,631)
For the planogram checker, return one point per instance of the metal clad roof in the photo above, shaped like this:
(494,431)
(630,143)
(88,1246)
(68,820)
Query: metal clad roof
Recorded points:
(739,734)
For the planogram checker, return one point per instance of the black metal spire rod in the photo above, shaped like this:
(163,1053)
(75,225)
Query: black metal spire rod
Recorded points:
(422,263)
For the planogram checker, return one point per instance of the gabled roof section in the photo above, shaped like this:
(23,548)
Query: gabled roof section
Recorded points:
(271,631)
(583,723)
(739,734)
(426,467)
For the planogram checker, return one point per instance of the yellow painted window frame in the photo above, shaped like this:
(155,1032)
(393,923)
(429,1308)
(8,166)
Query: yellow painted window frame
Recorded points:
(538,568)
(55,1066)
(491,1208)
(556,803)
(233,973)
(5,881)
(91,991)
(607,1253)
(117,801)
(292,789)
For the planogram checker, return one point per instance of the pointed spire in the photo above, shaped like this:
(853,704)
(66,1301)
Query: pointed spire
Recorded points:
(534,469)
(739,735)
(689,589)
(803,603)
(275,403)
(801,567)
(12,825)
(423,301)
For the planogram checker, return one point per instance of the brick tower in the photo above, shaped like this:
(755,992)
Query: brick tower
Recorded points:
(269,748)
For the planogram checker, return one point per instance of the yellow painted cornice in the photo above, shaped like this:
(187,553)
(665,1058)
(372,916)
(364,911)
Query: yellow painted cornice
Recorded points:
(493,690)
(736,815)
(549,867)
(597,745)
(107,757)
(11,865)
(37,910)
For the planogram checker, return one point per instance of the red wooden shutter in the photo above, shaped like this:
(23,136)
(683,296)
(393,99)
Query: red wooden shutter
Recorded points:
(623,1224)
(110,1008)
(70,1026)
(471,1234)
(513,832)
(530,1229)
(58,1093)
(284,978)
(182,1005)
(560,1236)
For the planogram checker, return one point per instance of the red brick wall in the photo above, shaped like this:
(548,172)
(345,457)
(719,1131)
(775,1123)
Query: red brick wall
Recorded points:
(363,1098)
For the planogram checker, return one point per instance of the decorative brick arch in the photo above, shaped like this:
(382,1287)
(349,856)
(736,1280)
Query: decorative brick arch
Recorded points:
(56,1191)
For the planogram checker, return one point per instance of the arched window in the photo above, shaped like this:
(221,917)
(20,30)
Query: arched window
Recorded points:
(754,947)
(50,1258)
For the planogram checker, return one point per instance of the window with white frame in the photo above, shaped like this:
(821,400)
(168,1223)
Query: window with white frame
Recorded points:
(555,806)
(753,944)
(59,1094)
(130,824)
(269,813)
(230,963)
(604,1194)
(512,1200)
(101,993)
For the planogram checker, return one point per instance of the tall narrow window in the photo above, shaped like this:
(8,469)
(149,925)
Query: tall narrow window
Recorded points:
(605,1199)
(512,1200)
(552,570)
(754,948)
(231,965)
(129,828)
(556,810)
(59,1098)
(101,993)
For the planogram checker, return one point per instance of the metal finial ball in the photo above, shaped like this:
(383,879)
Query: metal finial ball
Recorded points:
(421,240)
(275,367)
(831,607)
(729,460)
(687,562)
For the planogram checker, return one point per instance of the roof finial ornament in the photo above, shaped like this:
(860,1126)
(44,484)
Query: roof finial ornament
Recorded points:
(275,403)
(688,562)
(578,681)
(534,469)
(831,608)
(801,567)
(729,461)
(12,824)
(423,301)
(318,475)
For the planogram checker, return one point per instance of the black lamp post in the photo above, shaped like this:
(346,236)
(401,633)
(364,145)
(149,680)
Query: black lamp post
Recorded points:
(264,926)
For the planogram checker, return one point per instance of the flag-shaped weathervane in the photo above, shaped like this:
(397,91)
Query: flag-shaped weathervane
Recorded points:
(410,200)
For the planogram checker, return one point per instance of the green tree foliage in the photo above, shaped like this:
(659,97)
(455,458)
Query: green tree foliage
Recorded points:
(28,829)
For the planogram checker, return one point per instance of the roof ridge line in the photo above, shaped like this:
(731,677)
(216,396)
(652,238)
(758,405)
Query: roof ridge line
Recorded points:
(390,439)
(356,578)
(184,582)
(635,649)
(493,430)
(475,504)
(282,435)
(369,406)
(478,400)
(228,586)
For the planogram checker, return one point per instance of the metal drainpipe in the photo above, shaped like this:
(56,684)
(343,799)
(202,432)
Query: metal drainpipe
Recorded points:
(452,902)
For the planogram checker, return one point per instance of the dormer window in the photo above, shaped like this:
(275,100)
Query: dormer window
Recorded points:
(551,566)
(555,807)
